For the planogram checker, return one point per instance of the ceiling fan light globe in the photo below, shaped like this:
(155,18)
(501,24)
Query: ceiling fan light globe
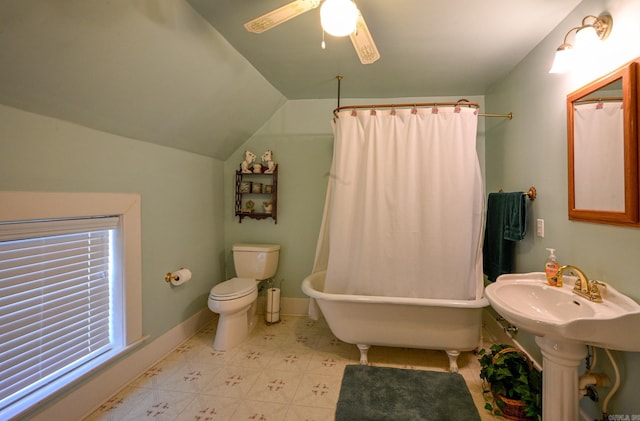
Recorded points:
(338,17)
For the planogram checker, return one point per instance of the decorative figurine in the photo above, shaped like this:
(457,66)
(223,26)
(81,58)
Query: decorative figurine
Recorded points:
(267,160)
(268,207)
(256,188)
(245,187)
(249,206)
(249,158)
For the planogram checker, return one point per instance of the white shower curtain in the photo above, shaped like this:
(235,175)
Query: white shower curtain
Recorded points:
(404,209)
(599,139)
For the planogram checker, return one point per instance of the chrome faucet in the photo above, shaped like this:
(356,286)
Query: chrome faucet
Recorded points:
(583,287)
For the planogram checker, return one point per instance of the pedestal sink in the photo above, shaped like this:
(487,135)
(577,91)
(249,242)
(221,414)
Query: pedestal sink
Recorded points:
(564,324)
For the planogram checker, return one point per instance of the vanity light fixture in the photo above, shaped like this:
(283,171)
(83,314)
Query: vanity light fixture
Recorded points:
(592,30)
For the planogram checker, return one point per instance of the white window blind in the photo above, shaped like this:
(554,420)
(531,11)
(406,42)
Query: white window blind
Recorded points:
(55,300)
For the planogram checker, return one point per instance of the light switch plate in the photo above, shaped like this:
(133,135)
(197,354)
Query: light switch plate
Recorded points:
(540,227)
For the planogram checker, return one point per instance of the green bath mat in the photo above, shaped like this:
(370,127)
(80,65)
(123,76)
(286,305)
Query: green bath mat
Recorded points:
(382,393)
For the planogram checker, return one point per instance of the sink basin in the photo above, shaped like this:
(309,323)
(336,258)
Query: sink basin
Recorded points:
(564,323)
(527,301)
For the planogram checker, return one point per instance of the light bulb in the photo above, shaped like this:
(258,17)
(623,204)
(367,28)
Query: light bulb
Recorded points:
(586,38)
(563,60)
(338,17)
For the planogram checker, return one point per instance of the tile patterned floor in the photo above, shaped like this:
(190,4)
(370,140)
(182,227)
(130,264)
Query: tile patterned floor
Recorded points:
(289,371)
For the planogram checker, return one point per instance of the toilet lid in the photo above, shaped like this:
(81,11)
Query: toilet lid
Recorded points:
(233,287)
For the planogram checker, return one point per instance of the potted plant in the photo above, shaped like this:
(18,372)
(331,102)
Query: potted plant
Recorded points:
(515,384)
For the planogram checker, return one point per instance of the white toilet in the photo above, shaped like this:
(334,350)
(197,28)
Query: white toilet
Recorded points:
(235,299)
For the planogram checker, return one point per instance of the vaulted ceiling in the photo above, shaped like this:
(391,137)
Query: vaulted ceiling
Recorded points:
(188,75)
(427,47)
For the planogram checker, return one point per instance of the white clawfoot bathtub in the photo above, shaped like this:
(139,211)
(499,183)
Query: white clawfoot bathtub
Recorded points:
(449,325)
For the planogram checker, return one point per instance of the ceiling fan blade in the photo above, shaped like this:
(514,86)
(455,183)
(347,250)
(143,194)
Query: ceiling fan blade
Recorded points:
(363,42)
(280,15)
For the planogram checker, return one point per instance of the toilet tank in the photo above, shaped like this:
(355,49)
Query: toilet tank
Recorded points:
(257,261)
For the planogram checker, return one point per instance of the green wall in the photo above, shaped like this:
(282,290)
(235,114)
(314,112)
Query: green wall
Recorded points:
(532,150)
(299,135)
(181,198)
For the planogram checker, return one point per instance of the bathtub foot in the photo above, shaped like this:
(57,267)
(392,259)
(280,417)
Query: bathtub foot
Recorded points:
(364,360)
(453,360)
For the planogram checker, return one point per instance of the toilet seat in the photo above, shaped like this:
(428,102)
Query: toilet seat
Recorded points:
(232,289)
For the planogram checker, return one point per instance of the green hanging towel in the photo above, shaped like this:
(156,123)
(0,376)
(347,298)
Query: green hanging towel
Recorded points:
(505,223)
(515,216)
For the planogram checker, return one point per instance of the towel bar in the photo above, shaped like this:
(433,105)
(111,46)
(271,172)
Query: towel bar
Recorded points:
(532,193)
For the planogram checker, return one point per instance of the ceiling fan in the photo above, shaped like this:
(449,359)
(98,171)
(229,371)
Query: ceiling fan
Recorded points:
(329,12)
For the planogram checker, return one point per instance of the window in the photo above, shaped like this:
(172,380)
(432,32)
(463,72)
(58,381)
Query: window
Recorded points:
(63,295)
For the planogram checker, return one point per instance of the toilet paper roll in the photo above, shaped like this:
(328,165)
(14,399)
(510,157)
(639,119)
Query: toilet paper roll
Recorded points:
(273,305)
(181,276)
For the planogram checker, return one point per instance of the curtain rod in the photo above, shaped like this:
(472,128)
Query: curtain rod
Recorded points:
(423,104)
(605,99)
(462,102)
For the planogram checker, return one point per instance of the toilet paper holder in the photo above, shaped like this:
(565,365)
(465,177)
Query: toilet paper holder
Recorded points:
(173,276)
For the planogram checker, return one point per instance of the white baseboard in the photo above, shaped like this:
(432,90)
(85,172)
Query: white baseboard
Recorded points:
(583,416)
(295,306)
(493,328)
(497,334)
(86,398)
(288,306)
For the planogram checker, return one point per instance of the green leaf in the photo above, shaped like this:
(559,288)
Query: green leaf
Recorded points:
(511,376)
(502,373)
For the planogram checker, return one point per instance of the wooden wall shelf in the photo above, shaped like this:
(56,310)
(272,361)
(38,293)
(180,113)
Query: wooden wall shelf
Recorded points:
(253,190)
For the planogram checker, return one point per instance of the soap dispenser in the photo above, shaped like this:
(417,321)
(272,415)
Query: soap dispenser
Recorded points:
(551,267)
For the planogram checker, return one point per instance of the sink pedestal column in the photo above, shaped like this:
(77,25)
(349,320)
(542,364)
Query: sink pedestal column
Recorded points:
(560,362)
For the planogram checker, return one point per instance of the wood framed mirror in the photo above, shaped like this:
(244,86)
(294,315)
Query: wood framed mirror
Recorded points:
(602,127)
